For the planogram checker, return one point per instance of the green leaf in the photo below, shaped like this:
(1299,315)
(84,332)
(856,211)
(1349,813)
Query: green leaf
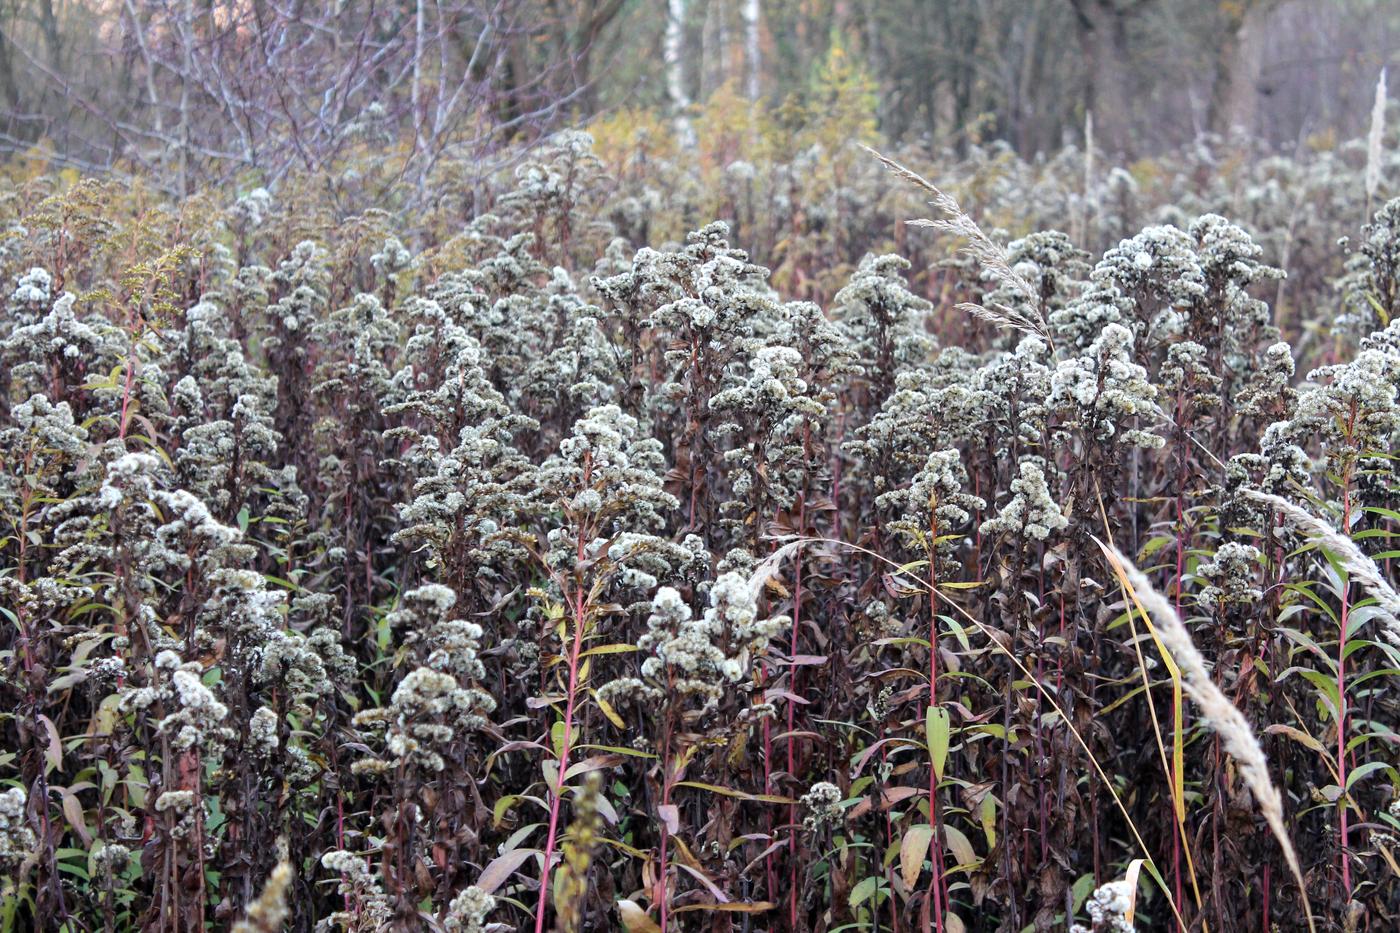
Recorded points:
(938,726)
(865,889)
(1361,771)
(556,735)
(989,820)
(1081,891)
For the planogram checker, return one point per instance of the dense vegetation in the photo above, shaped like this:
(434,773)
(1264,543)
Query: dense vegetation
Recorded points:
(552,556)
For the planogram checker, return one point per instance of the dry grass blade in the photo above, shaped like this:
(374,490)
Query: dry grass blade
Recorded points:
(1224,717)
(1361,568)
(990,254)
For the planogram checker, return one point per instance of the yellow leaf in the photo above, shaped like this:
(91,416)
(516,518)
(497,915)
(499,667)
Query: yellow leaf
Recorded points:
(960,846)
(634,919)
(733,907)
(912,850)
(608,711)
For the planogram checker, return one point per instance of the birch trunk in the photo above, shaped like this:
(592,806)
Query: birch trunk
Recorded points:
(675,71)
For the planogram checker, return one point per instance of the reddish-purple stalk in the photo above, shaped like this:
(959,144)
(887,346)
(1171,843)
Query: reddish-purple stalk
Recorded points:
(792,721)
(1176,596)
(770,873)
(569,701)
(1266,926)
(889,842)
(1342,683)
(1041,794)
(936,847)
(126,389)
(564,751)
(666,776)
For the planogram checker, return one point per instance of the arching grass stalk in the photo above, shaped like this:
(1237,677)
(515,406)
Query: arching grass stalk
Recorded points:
(1364,570)
(1173,767)
(1225,718)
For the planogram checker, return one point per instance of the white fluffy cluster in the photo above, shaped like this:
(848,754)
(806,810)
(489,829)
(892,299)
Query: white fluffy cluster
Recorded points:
(17,840)
(1371,287)
(58,342)
(774,389)
(1230,577)
(1353,407)
(1013,387)
(1267,391)
(885,320)
(1108,907)
(446,644)
(199,714)
(1103,392)
(262,730)
(32,289)
(245,612)
(129,477)
(935,504)
(822,803)
(192,715)
(688,656)
(468,911)
(369,908)
(251,210)
(610,477)
(392,258)
(683,658)
(1032,510)
(428,713)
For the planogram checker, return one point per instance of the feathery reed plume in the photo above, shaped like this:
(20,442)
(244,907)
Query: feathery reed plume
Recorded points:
(1222,715)
(269,912)
(1373,143)
(990,254)
(1362,569)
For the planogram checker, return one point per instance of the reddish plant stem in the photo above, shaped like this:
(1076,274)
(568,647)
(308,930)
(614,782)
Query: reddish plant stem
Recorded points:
(126,392)
(889,840)
(1266,926)
(1178,889)
(666,776)
(936,845)
(563,756)
(792,722)
(770,873)
(574,651)
(1342,696)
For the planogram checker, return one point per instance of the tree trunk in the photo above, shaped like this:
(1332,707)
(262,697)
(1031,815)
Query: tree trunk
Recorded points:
(1103,38)
(593,18)
(9,87)
(753,63)
(675,71)
(1239,62)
